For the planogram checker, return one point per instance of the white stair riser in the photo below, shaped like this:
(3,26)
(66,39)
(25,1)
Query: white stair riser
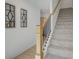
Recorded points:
(60,27)
(61,20)
(63,35)
(64,23)
(63,39)
(51,56)
(66,44)
(61,23)
(65,17)
(59,52)
(64,31)
(64,27)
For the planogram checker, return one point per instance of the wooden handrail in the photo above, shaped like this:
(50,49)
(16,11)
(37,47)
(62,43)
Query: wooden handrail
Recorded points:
(46,21)
(53,12)
(56,7)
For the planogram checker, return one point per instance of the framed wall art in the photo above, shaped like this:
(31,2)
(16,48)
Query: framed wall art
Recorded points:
(9,15)
(23,15)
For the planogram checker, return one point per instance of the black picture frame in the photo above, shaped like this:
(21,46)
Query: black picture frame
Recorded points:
(23,17)
(9,15)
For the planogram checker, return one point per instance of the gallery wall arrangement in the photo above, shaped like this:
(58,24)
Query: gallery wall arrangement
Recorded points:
(10,16)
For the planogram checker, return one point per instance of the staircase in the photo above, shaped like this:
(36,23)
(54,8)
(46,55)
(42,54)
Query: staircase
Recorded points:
(61,44)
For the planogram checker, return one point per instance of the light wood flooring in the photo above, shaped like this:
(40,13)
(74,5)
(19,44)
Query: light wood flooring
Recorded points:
(29,54)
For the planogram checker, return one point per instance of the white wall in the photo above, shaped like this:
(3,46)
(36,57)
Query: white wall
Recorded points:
(42,4)
(45,13)
(19,39)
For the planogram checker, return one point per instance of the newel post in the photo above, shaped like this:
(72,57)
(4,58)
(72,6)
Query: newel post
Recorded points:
(39,42)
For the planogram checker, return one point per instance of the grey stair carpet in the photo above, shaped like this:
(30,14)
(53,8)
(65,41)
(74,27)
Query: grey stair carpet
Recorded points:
(61,44)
